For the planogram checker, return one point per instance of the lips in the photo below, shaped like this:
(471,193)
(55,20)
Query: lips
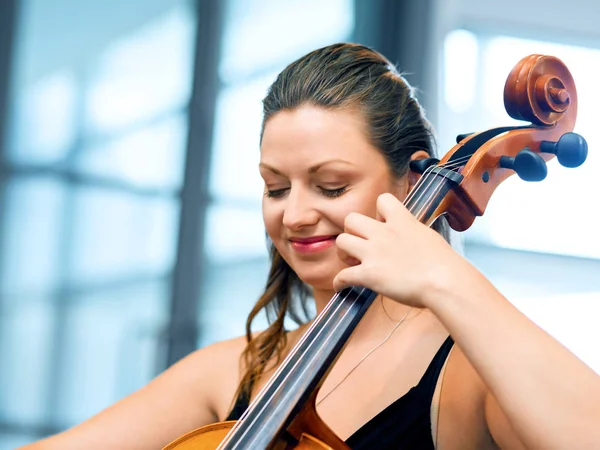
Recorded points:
(310,240)
(312,244)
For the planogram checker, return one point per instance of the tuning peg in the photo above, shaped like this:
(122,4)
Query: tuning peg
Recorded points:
(421,165)
(460,137)
(570,150)
(530,166)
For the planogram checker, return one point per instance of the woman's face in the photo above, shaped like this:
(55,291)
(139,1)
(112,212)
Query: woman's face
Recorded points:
(318,166)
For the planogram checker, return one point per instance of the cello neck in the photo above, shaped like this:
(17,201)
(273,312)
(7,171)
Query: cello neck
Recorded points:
(302,372)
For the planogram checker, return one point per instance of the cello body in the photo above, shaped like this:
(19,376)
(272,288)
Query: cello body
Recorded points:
(210,437)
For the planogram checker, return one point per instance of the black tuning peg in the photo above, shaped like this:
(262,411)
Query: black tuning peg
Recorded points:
(570,150)
(460,137)
(421,165)
(530,166)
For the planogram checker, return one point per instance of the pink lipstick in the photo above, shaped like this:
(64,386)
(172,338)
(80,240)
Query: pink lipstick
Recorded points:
(312,244)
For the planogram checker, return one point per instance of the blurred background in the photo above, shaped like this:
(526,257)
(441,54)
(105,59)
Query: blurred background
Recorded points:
(130,223)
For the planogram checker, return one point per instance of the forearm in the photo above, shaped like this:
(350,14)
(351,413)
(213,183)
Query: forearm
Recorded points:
(548,395)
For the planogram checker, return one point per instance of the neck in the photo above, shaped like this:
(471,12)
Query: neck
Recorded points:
(376,321)
(322,297)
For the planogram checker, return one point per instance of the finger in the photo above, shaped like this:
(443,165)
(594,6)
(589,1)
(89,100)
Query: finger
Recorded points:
(389,208)
(361,225)
(351,276)
(347,258)
(350,246)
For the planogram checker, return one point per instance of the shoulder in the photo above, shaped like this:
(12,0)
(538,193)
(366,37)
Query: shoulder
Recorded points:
(217,369)
(224,352)
(216,357)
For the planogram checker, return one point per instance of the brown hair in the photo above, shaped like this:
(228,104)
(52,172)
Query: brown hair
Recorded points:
(337,76)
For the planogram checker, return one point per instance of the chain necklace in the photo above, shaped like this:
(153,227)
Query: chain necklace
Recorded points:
(385,311)
(369,352)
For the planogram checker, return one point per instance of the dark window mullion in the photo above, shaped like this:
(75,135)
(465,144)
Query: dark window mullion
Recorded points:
(182,333)
(8,26)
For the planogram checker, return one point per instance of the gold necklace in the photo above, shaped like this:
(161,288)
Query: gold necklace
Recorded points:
(368,353)
(385,311)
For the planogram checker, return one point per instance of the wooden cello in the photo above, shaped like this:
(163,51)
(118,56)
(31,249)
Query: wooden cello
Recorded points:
(539,90)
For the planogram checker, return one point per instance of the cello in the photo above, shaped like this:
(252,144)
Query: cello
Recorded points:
(539,90)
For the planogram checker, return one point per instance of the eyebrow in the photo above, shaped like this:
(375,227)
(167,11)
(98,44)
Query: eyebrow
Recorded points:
(312,169)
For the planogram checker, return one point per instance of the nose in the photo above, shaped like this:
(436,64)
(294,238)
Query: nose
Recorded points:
(298,210)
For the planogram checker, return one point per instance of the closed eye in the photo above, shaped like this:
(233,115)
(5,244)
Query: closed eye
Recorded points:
(333,192)
(275,193)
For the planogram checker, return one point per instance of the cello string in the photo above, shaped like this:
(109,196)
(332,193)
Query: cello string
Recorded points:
(281,368)
(449,165)
(338,305)
(426,189)
(300,356)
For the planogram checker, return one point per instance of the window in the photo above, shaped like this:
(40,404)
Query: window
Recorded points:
(90,206)
(521,215)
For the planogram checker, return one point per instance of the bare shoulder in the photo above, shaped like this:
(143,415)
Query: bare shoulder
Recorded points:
(214,372)
(226,367)
(193,392)
(461,419)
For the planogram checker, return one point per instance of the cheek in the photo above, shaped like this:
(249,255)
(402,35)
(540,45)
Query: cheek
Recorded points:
(363,202)
(272,218)
(367,203)
(338,210)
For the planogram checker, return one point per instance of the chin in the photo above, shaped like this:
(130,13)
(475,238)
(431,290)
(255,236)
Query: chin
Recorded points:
(319,283)
(317,279)
(317,274)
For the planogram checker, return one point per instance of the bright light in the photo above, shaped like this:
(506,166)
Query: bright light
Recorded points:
(460,56)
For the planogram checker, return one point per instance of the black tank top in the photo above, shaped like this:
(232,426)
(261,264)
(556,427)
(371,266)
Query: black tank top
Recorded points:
(405,424)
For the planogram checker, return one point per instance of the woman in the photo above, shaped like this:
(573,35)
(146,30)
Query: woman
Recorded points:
(340,128)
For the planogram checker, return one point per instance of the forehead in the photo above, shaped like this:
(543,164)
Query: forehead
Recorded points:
(313,133)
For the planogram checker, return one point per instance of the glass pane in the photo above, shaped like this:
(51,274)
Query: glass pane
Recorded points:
(26,327)
(84,270)
(149,157)
(230,291)
(263,34)
(82,70)
(110,347)
(234,234)
(116,236)
(45,119)
(100,346)
(460,80)
(143,75)
(234,171)
(31,242)
(14,440)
